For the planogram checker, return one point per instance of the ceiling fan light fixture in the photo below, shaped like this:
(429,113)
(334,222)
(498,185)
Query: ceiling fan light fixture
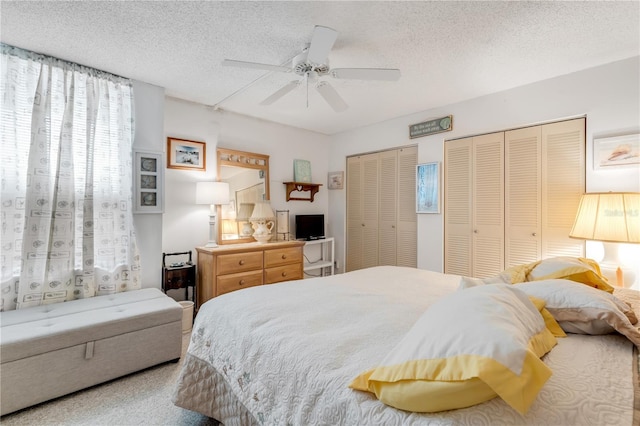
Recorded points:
(312,77)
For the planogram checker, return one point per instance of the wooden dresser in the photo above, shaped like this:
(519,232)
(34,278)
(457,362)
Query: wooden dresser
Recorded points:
(235,266)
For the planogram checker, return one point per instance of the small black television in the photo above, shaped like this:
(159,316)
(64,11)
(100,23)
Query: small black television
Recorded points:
(309,227)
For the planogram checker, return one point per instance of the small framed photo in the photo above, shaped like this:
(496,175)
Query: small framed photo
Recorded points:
(616,151)
(186,155)
(335,180)
(148,185)
(428,188)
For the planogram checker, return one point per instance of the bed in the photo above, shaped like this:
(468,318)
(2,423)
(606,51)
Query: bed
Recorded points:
(286,354)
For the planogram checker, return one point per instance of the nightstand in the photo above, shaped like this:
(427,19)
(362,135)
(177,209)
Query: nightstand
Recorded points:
(179,275)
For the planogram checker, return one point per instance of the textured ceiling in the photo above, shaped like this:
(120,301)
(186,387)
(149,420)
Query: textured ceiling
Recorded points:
(447,51)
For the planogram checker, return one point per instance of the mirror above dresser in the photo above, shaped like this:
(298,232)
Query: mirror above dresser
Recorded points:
(248,176)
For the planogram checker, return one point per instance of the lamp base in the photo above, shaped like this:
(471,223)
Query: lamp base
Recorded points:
(211,244)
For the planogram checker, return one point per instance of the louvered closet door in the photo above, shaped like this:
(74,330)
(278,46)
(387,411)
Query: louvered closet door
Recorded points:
(387,210)
(458,207)
(488,205)
(563,171)
(370,167)
(362,212)
(354,214)
(523,224)
(407,235)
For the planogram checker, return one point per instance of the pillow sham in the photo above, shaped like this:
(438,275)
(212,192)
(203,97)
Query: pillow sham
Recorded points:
(549,320)
(467,348)
(582,309)
(585,271)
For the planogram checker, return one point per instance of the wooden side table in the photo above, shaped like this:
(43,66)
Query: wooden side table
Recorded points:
(179,275)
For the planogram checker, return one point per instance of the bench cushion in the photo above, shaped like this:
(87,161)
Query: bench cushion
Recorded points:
(46,328)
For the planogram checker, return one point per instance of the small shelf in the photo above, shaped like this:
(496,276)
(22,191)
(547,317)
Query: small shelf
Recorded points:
(313,188)
(325,257)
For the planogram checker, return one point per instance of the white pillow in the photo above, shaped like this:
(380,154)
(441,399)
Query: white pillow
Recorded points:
(582,309)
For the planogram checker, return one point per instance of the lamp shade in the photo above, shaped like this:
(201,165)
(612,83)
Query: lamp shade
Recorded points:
(609,216)
(212,193)
(244,213)
(262,211)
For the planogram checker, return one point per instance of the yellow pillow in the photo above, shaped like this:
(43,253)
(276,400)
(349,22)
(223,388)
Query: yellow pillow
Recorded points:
(448,360)
(578,269)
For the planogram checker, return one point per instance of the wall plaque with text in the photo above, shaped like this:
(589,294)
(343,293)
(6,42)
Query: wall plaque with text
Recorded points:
(430,127)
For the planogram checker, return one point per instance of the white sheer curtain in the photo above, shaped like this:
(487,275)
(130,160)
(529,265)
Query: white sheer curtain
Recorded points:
(66,205)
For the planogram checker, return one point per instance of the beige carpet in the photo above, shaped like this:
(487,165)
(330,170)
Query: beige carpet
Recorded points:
(142,398)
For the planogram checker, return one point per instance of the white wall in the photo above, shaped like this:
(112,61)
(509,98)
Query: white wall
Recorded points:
(186,224)
(149,117)
(609,96)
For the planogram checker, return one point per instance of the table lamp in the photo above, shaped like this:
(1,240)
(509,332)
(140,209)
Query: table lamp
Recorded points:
(213,194)
(262,220)
(610,217)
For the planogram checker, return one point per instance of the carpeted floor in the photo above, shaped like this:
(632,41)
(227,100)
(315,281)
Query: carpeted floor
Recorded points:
(142,398)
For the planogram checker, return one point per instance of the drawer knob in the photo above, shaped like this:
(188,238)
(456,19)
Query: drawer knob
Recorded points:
(284,256)
(241,282)
(284,274)
(241,262)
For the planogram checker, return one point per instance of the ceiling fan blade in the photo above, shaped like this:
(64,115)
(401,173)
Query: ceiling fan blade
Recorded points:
(386,74)
(331,96)
(321,44)
(256,65)
(280,92)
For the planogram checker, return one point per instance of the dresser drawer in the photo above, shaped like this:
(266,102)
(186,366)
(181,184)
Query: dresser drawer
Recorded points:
(233,282)
(283,256)
(239,262)
(283,273)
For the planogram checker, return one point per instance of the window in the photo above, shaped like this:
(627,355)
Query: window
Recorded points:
(66,203)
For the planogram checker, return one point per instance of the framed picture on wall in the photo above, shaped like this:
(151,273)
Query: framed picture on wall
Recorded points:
(186,155)
(149,182)
(335,180)
(428,188)
(616,151)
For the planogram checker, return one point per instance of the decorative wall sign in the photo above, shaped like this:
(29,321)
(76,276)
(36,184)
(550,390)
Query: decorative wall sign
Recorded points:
(616,151)
(186,155)
(428,188)
(335,180)
(431,127)
(149,180)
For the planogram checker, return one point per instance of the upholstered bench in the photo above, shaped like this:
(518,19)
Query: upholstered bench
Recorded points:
(52,350)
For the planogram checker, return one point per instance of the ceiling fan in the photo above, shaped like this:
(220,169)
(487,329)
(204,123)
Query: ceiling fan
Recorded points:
(312,64)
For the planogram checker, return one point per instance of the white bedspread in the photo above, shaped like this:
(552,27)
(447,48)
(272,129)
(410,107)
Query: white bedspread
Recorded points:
(288,351)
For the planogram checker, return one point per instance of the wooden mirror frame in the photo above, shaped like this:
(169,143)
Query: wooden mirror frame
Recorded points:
(248,160)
